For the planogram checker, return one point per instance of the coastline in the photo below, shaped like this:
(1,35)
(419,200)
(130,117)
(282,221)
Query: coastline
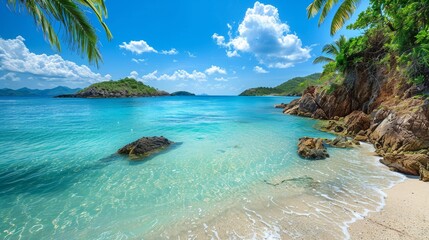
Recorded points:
(405,214)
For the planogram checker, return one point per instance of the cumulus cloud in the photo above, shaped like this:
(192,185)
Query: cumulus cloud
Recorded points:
(137,47)
(177,75)
(19,63)
(262,34)
(221,79)
(215,69)
(172,51)
(259,69)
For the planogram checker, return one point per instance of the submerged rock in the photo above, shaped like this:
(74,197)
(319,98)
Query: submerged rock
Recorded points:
(145,147)
(281,105)
(312,148)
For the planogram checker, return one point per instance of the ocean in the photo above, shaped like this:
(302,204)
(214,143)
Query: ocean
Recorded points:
(233,172)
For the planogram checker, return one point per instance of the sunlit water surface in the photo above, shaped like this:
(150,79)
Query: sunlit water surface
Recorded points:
(233,172)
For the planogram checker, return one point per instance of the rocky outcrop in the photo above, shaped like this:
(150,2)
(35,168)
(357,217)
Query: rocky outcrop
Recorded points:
(406,163)
(312,148)
(281,105)
(356,121)
(144,147)
(341,142)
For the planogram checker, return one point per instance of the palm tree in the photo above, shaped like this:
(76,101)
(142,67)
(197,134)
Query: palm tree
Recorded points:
(344,12)
(70,16)
(332,50)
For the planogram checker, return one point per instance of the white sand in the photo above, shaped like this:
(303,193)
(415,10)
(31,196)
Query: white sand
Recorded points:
(405,215)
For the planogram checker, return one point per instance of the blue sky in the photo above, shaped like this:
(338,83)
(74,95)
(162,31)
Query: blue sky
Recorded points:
(215,47)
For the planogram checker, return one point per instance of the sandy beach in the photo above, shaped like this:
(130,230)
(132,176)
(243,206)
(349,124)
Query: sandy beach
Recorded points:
(405,215)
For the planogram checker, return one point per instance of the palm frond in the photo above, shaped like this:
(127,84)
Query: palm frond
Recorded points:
(343,13)
(314,8)
(326,8)
(330,49)
(100,10)
(323,59)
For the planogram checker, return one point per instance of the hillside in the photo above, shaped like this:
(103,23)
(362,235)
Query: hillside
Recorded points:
(292,87)
(26,92)
(127,87)
(182,93)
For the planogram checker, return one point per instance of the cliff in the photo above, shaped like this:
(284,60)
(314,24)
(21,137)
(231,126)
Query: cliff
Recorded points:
(378,104)
(127,87)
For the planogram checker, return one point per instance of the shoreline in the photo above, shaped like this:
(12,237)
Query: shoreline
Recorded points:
(405,214)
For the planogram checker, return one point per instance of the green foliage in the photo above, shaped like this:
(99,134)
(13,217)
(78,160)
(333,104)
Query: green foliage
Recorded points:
(70,16)
(130,85)
(292,87)
(344,12)
(404,24)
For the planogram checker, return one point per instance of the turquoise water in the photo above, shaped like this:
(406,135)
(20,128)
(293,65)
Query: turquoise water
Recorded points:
(233,172)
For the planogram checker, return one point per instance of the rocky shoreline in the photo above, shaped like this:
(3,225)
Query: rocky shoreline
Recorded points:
(386,111)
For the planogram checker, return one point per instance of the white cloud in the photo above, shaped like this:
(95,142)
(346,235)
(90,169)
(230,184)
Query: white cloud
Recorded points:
(18,62)
(138,60)
(177,75)
(221,79)
(215,69)
(172,51)
(191,55)
(259,69)
(10,76)
(137,47)
(262,34)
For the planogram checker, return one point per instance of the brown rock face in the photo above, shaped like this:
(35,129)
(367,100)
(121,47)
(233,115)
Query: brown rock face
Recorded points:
(312,148)
(405,128)
(357,121)
(144,147)
(406,163)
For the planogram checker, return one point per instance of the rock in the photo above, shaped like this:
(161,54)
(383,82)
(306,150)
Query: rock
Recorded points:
(281,105)
(406,163)
(144,147)
(312,148)
(341,142)
(424,173)
(406,128)
(356,122)
(361,138)
(338,128)
(319,114)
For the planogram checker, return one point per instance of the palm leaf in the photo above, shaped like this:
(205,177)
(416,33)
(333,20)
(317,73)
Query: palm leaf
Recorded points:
(328,6)
(343,13)
(323,59)
(314,7)
(330,49)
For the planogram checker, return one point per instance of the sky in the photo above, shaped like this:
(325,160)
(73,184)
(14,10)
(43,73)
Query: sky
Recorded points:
(217,47)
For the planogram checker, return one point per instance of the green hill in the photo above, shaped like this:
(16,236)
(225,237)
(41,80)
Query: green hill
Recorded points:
(127,87)
(292,87)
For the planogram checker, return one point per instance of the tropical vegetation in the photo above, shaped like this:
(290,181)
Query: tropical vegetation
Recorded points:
(128,85)
(395,36)
(292,87)
(70,16)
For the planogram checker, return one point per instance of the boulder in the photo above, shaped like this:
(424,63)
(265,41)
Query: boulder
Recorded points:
(424,173)
(406,163)
(341,142)
(312,148)
(281,105)
(144,147)
(356,122)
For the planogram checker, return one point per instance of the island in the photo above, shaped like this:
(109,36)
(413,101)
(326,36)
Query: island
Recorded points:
(292,87)
(27,92)
(127,87)
(182,93)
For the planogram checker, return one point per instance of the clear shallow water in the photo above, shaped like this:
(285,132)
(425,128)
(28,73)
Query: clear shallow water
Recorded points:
(233,174)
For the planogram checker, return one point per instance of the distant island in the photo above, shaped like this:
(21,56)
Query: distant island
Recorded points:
(127,87)
(182,93)
(27,92)
(292,87)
